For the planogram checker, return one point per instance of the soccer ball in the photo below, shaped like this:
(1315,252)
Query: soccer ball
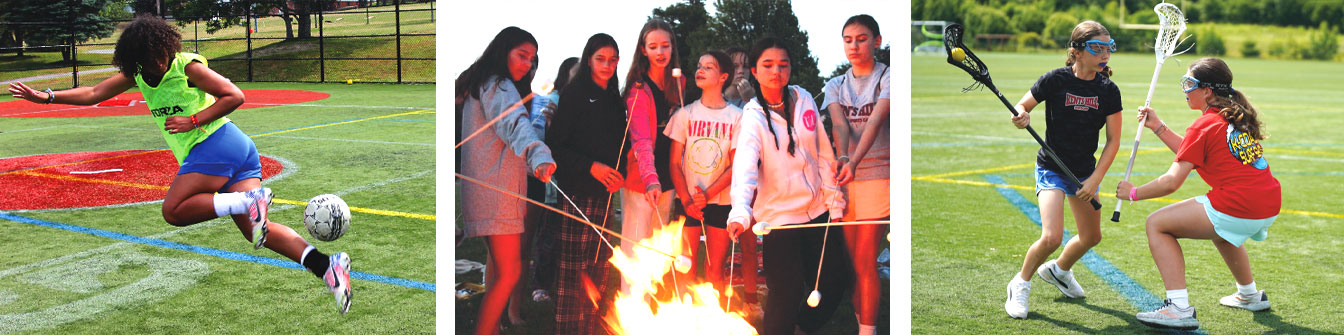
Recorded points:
(327,217)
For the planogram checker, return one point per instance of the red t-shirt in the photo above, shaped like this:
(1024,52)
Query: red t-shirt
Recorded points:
(1233,163)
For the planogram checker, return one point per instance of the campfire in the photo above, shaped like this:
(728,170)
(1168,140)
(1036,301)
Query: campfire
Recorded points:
(656,307)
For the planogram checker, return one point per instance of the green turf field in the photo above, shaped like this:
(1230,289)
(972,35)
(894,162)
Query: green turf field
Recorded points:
(968,238)
(371,144)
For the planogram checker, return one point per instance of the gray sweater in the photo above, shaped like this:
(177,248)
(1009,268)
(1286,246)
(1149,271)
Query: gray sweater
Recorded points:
(503,156)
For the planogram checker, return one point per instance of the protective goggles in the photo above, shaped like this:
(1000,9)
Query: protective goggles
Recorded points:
(1189,83)
(1095,47)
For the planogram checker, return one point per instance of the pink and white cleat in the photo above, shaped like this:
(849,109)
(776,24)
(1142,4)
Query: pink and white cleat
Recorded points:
(338,280)
(256,211)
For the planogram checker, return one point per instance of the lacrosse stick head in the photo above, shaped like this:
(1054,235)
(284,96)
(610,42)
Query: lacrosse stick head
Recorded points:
(969,63)
(1171,25)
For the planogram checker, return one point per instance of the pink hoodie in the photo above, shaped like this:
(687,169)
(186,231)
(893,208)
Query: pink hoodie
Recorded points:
(643,124)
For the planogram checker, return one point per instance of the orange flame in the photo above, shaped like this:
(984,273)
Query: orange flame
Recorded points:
(696,311)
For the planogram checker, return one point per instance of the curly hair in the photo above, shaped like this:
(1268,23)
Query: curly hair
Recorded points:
(147,44)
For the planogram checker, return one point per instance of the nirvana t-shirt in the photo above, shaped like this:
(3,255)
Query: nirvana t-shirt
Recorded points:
(1233,163)
(1075,112)
(708,135)
(857,96)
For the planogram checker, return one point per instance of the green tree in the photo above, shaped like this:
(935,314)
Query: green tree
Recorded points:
(223,14)
(883,56)
(742,22)
(57,23)
(1209,43)
(1324,44)
(689,22)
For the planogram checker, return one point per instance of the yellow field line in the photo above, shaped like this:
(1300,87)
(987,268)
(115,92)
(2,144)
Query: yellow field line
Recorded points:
(423,111)
(997,169)
(365,210)
(282,201)
(1103,194)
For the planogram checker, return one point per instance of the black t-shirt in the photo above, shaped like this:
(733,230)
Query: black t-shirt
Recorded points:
(662,145)
(1075,112)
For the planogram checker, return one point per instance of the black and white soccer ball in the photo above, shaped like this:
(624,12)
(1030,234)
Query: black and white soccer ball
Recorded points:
(327,217)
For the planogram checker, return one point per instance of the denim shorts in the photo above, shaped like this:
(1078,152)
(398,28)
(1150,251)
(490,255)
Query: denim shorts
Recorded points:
(1049,180)
(1233,229)
(226,153)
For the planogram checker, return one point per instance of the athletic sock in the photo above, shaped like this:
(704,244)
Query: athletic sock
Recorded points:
(231,203)
(867,329)
(1017,278)
(1180,298)
(317,264)
(1056,265)
(1247,289)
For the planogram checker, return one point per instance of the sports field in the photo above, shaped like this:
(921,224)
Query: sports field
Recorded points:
(85,249)
(975,215)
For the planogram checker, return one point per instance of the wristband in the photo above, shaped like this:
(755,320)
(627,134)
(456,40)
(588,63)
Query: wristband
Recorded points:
(50,97)
(193,121)
(1159,130)
(842,157)
(1133,194)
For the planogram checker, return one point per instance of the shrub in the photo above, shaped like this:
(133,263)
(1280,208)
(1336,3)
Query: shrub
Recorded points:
(1209,43)
(1248,50)
(1058,28)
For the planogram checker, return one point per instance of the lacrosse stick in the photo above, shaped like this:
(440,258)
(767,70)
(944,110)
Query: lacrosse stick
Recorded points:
(1171,28)
(978,71)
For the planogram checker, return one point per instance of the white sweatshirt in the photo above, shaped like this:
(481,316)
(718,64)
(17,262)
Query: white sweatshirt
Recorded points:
(787,189)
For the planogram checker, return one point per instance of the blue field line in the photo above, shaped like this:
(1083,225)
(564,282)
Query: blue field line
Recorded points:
(212,252)
(1119,281)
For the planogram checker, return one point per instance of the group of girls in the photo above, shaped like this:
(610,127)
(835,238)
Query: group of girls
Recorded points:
(1222,145)
(751,149)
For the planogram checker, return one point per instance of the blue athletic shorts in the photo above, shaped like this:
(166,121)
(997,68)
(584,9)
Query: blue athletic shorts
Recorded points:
(1049,180)
(1233,229)
(226,153)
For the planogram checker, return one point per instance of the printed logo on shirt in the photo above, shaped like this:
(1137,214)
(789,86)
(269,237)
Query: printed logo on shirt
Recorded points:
(1246,149)
(592,100)
(810,120)
(705,153)
(859,115)
(1080,103)
(166,111)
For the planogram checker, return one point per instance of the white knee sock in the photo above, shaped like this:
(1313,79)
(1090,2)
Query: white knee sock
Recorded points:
(1179,297)
(1247,289)
(867,330)
(231,203)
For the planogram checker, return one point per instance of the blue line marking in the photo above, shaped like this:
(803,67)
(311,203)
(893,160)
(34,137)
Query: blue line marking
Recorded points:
(1118,280)
(212,252)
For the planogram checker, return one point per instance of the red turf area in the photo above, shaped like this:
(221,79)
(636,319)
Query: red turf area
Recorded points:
(133,104)
(47,181)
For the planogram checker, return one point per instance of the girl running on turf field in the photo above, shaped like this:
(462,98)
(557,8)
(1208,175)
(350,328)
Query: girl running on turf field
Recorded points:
(220,170)
(1223,145)
(651,94)
(503,157)
(784,174)
(1079,99)
(861,97)
(702,149)
(586,136)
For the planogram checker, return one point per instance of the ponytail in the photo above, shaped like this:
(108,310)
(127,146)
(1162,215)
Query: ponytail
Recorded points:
(1237,111)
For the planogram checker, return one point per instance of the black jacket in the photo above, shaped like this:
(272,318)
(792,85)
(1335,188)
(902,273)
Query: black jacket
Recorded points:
(587,127)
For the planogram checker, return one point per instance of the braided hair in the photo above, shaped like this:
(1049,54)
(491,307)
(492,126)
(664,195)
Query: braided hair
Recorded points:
(771,42)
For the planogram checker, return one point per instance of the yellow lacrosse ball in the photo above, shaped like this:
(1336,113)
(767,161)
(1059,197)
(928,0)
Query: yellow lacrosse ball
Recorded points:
(349,81)
(958,54)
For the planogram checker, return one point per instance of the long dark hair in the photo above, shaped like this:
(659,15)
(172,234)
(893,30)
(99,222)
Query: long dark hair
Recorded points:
(585,70)
(495,62)
(640,65)
(1082,33)
(562,76)
(1232,104)
(770,42)
(148,44)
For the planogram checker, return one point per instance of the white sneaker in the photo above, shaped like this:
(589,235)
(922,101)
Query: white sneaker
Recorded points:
(1016,306)
(256,211)
(1062,280)
(1170,316)
(1255,302)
